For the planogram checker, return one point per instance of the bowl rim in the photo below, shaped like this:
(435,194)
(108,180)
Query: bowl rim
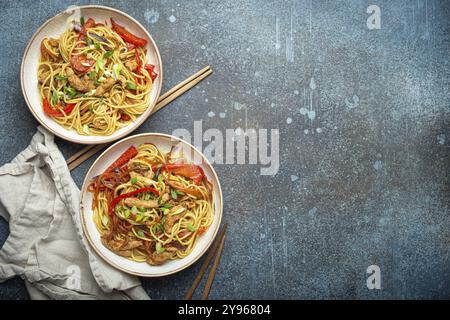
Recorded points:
(84,190)
(130,128)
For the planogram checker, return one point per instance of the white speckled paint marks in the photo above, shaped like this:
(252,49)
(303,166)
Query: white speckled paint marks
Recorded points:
(309,106)
(312,212)
(353,103)
(440,139)
(294,178)
(238,106)
(151,16)
(290,42)
(172,18)
(377,165)
(284,238)
(277,36)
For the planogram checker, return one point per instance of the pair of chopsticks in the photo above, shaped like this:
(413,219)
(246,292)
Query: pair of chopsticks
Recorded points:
(216,249)
(79,157)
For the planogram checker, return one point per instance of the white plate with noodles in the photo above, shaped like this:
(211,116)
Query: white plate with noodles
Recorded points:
(151,205)
(91,74)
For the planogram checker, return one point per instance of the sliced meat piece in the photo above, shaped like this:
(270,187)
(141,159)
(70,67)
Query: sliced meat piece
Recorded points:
(42,77)
(124,253)
(81,85)
(53,42)
(172,219)
(123,82)
(131,65)
(122,248)
(148,204)
(104,87)
(190,204)
(158,258)
(81,63)
(132,245)
(165,197)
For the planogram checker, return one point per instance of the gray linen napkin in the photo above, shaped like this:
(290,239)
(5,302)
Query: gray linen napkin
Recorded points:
(46,246)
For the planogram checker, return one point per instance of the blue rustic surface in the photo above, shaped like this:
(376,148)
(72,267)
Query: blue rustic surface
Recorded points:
(363,181)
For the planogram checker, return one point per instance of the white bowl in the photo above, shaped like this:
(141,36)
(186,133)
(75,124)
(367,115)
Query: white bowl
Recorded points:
(54,27)
(164,143)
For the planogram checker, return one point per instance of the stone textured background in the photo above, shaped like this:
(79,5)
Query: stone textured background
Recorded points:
(364,138)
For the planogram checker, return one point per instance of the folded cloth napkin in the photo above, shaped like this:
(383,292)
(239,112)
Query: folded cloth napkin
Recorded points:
(46,246)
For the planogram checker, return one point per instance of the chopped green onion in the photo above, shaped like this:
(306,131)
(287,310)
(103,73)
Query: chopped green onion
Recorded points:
(91,108)
(179,193)
(86,129)
(55,98)
(117,68)
(126,213)
(141,233)
(97,46)
(167,205)
(178,211)
(70,92)
(163,220)
(105,220)
(108,54)
(159,248)
(174,195)
(134,180)
(131,85)
(99,64)
(91,75)
(191,227)
(139,217)
(82,21)
(60,78)
(147,196)
(164,210)
(134,210)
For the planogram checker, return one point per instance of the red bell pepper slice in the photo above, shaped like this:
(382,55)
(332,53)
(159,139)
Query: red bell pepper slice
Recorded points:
(201,230)
(138,58)
(88,24)
(57,112)
(115,201)
(130,47)
(139,67)
(123,159)
(125,117)
(150,69)
(127,36)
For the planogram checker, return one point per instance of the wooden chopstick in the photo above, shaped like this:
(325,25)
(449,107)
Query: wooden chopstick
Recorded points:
(75,163)
(180,91)
(212,272)
(205,264)
(182,83)
(79,157)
